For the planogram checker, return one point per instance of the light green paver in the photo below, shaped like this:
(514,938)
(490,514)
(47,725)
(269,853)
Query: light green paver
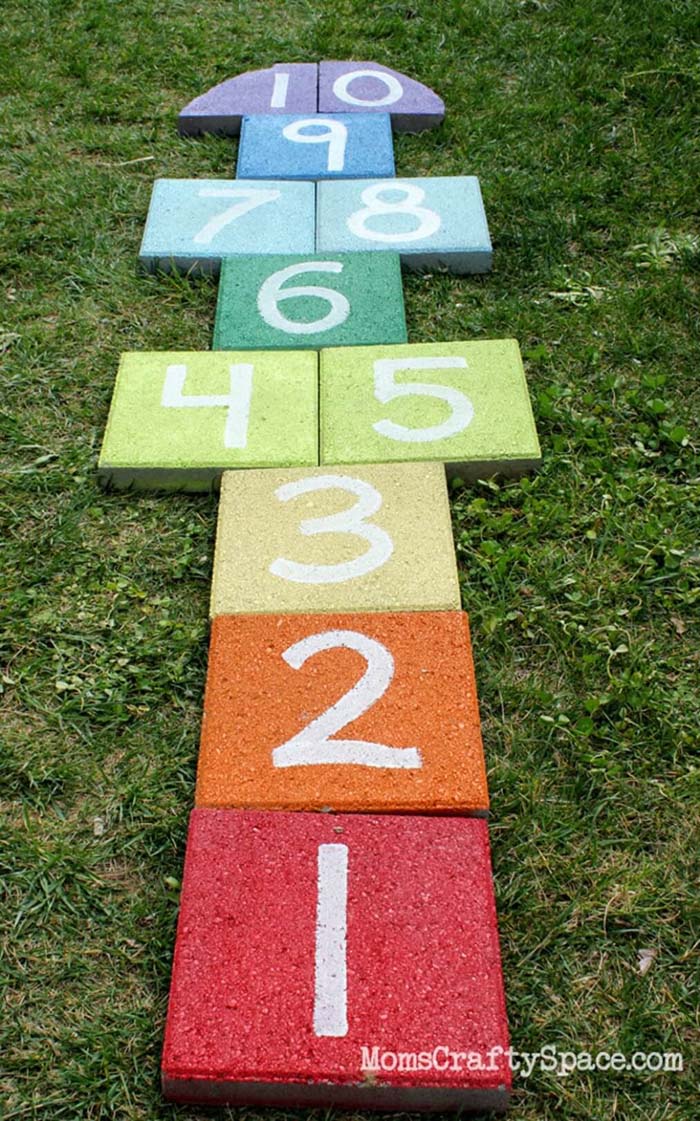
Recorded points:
(469,409)
(359,300)
(178,420)
(373,538)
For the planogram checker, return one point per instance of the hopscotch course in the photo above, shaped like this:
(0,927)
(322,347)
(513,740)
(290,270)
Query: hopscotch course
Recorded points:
(337,939)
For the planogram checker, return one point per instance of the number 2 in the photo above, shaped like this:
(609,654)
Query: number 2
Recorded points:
(314,745)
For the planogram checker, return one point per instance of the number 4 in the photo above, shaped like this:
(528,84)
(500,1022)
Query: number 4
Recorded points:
(237,400)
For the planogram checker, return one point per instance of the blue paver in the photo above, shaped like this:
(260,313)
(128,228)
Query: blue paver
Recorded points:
(337,146)
(431,222)
(194,223)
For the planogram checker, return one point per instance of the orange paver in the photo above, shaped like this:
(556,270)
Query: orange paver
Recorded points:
(374,712)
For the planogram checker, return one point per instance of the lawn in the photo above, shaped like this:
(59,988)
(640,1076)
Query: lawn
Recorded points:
(580,118)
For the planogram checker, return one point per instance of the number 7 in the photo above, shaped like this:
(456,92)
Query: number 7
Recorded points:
(251,197)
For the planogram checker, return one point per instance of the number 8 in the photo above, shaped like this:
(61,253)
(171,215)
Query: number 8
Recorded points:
(429,221)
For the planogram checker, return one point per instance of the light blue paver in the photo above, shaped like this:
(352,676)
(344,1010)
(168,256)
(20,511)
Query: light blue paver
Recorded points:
(194,223)
(431,222)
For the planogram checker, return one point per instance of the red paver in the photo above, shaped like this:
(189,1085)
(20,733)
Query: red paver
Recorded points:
(304,938)
(367,712)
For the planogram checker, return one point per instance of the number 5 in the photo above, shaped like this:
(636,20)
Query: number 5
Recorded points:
(386,389)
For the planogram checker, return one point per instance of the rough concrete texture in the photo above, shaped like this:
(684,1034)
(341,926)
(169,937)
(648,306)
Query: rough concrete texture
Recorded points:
(420,702)
(290,87)
(433,222)
(413,106)
(178,419)
(304,938)
(378,404)
(363,301)
(193,224)
(334,146)
(364,538)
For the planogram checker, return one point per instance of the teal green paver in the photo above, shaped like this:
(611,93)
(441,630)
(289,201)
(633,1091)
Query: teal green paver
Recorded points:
(465,403)
(177,420)
(360,301)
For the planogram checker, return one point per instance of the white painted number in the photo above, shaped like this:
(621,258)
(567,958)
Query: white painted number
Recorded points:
(331,972)
(314,744)
(251,197)
(279,91)
(429,221)
(394,89)
(335,135)
(237,400)
(271,296)
(351,521)
(386,389)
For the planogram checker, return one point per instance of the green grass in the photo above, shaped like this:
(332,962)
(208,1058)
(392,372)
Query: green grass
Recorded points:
(581,583)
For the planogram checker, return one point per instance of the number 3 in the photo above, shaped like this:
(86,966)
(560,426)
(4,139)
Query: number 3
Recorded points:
(351,521)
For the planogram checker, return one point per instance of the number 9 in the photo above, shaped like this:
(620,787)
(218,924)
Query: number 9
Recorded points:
(335,136)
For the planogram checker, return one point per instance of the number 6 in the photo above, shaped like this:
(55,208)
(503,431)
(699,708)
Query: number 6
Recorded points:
(271,295)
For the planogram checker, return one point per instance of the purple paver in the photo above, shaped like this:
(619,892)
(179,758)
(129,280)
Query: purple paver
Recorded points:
(366,87)
(282,88)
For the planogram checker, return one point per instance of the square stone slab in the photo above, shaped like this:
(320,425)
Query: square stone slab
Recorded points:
(193,224)
(433,222)
(361,538)
(464,403)
(369,712)
(345,960)
(345,299)
(337,146)
(177,420)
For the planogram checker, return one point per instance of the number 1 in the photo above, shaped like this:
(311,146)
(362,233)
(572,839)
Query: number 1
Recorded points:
(331,977)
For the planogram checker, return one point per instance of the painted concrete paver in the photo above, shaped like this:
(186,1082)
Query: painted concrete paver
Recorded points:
(287,87)
(361,538)
(320,146)
(366,86)
(462,403)
(355,712)
(433,222)
(305,941)
(193,224)
(343,299)
(179,419)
